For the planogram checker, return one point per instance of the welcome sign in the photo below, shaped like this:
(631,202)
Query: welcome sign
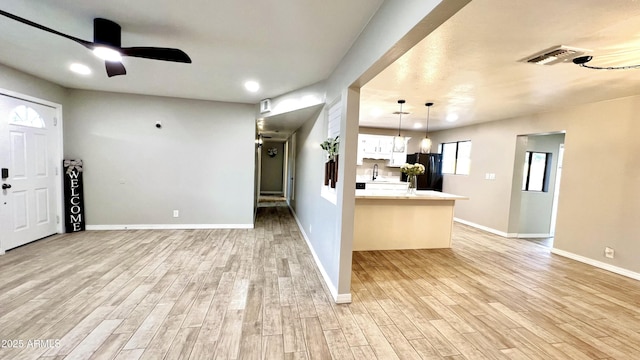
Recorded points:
(73,196)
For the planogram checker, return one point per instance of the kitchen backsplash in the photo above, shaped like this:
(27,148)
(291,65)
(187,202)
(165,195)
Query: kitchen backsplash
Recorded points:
(364,172)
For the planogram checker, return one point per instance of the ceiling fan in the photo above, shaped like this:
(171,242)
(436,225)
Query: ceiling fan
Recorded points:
(107,46)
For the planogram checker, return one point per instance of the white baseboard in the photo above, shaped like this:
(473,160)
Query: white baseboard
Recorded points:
(502,233)
(338,298)
(343,298)
(596,263)
(533,236)
(485,228)
(168,226)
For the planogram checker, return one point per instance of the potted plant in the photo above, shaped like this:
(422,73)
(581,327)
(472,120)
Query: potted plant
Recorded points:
(331,146)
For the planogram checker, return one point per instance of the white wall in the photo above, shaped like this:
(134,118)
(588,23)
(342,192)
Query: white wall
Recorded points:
(316,214)
(201,162)
(599,201)
(25,84)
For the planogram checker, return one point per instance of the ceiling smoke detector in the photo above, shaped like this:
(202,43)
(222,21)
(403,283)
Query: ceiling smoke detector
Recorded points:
(555,55)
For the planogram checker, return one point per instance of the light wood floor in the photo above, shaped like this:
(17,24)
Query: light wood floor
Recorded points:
(251,294)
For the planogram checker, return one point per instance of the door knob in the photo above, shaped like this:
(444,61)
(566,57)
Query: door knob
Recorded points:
(6,186)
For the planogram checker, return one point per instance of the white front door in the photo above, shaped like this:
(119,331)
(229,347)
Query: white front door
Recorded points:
(29,198)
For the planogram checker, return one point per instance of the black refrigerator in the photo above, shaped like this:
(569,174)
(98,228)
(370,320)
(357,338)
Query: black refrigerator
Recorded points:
(432,177)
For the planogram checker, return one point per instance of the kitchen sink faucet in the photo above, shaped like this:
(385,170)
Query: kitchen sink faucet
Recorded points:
(375,171)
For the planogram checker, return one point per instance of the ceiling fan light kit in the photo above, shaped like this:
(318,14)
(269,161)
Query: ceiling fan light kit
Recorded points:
(107,45)
(107,54)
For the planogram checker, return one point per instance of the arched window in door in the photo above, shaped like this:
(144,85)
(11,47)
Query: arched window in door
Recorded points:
(25,116)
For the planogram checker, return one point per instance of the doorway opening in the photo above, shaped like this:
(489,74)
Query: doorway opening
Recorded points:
(273,173)
(537,173)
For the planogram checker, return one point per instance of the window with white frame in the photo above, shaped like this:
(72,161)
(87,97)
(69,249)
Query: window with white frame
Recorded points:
(456,157)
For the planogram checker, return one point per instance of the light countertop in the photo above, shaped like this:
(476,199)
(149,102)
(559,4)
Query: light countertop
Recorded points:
(394,182)
(402,194)
(387,180)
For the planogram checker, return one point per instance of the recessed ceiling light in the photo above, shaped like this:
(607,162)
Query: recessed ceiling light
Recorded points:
(417,126)
(376,112)
(80,69)
(107,54)
(452,117)
(252,86)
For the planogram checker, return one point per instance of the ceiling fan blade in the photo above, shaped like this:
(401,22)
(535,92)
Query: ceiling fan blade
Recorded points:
(85,43)
(156,53)
(115,68)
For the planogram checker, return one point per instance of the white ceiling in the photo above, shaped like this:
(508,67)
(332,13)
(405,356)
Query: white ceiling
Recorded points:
(469,66)
(282,44)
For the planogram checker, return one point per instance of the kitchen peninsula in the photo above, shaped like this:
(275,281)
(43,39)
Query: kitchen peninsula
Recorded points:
(393,220)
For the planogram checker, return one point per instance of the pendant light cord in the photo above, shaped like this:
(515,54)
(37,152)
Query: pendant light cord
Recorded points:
(400,114)
(428,105)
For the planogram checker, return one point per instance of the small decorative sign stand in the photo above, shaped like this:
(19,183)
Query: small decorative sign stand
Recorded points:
(73,196)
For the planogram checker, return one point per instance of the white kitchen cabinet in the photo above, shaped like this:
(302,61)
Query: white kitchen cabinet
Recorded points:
(375,146)
(379,147)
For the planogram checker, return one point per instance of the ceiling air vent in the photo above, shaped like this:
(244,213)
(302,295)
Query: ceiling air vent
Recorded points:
(554,55)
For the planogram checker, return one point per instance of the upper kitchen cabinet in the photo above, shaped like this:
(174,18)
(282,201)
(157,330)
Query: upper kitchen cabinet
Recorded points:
(379,147)
(375,146)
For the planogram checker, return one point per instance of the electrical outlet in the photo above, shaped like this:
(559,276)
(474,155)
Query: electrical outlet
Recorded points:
(176,213)
(310,229)
(609,252)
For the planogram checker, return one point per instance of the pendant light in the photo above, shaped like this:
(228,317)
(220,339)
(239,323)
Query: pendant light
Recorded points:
(399,142)
(425,144)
